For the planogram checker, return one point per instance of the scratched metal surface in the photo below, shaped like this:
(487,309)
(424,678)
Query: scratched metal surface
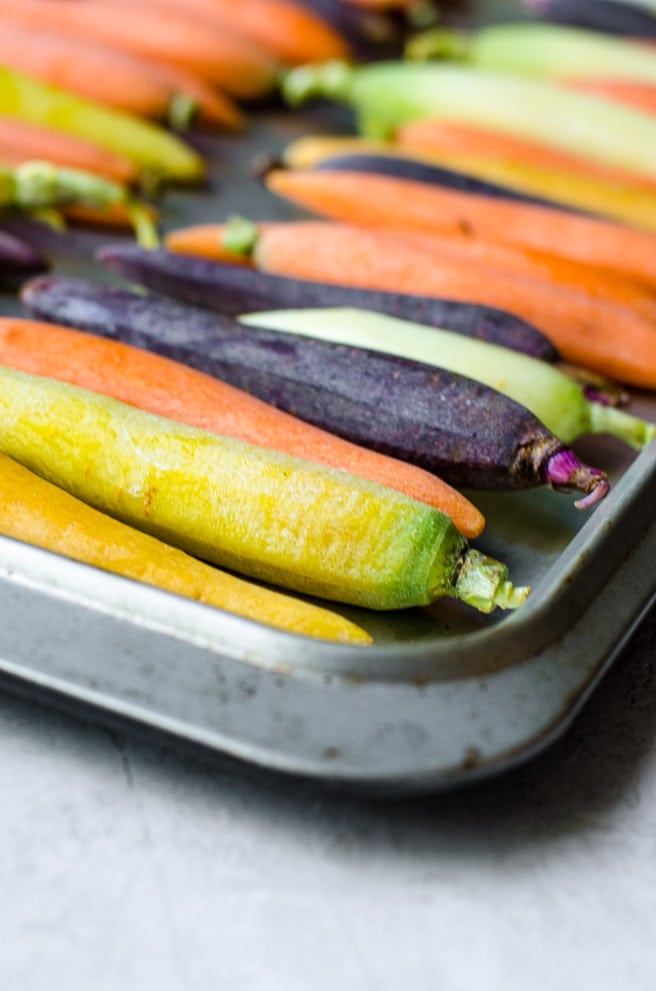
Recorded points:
(445,696)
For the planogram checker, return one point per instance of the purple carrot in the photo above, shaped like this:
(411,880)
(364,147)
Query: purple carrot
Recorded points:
(469,434)
(231,290)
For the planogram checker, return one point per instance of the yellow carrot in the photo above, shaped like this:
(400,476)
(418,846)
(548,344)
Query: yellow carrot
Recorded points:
(37,512)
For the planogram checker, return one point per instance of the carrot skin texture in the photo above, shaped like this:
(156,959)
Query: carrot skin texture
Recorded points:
(178,392)
(231,290)
(468,434)
(36,512)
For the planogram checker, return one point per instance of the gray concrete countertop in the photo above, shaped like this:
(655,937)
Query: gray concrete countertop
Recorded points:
(127,864)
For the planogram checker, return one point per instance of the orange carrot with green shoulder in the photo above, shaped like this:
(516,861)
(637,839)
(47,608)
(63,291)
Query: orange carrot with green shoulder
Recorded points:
(36,512)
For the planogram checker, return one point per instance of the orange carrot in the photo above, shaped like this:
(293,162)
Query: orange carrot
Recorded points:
(205,241)
(542,266)
(221,57)
(22,142)
(640,95)
(608,339)
(173,390)
(386,201)
(96,73)
(114,78)
(444,137)
(116,216)
(287,30)
(549,269)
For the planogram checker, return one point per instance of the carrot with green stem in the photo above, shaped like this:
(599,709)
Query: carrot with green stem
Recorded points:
(278,519)
(36,512)
(94,72)
(40,186)
(384,201)
(387,95)
(21,142)
(610,340)
(219,56)
(558,401)
(508,259)
(467,433)
(134,84)
(178,392)
(152,149)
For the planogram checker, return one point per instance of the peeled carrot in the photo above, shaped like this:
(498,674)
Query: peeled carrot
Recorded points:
(608,339)
(443,136)
(384,201)
(222,57)
(179,393)
(22,142)
(287,30)
(37,512)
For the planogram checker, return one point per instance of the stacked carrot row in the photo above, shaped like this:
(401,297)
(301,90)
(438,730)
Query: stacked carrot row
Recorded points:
(466,193)
(87,87)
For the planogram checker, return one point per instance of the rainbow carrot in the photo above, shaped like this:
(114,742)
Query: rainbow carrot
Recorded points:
(39,513)
(607,339)
(177,392)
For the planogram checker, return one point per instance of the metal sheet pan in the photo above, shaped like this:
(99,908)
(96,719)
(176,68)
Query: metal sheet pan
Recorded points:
(445,696)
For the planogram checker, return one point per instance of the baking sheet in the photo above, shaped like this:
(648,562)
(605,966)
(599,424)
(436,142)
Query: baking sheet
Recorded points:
(446,695)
